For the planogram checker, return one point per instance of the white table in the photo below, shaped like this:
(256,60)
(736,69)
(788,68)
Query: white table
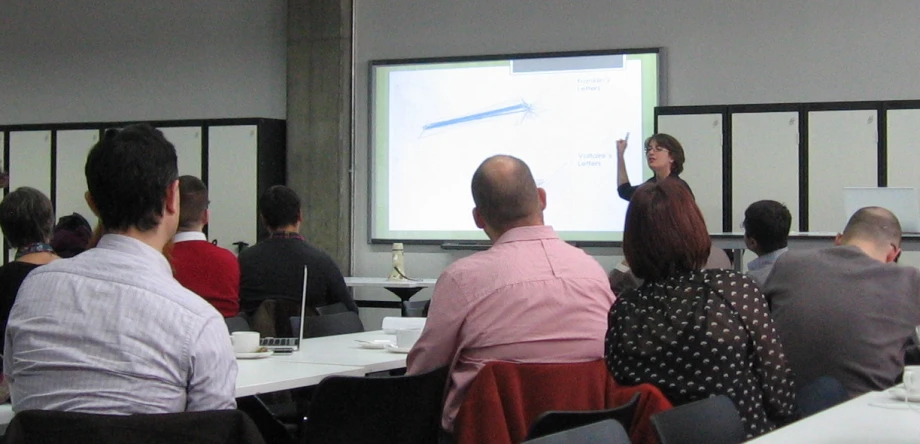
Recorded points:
(855,421)
(273,374)
(343,350)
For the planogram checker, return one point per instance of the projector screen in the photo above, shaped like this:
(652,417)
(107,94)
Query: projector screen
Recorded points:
(433,121)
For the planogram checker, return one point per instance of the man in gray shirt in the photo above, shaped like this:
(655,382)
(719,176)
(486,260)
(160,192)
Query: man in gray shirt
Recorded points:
(766,232)
(848,311)
(111,331)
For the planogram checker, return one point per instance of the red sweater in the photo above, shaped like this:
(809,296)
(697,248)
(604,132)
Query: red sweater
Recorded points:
(211,272)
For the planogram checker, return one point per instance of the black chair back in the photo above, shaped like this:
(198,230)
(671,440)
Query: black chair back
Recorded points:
(820,394)
(712,420)
(237,323)
(329,325)
(359,410)
(331,309)
(211,427)
(555,421)
(607,432)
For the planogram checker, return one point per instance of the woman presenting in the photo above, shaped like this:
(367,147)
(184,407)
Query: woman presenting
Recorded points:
(665,156)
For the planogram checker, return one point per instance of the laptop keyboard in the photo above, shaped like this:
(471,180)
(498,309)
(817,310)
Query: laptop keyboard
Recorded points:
(278,342)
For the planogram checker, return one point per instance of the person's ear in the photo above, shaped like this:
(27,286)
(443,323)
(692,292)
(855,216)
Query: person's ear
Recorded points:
(206,217)
(750,243)
(541,193)
(477,217)
(172,198)
(893,254)
(838,240)
(91,203)
(300,216)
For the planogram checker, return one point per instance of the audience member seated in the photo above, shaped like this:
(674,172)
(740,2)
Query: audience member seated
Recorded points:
(766,231)
(210,271)
(72,235)
(530,298)
(273,268)
(847,311)
(110,331)
(26,217)
(692,333)
(623,279)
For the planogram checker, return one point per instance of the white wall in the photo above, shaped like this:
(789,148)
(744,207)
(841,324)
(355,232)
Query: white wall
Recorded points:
(82,61)
(716,52)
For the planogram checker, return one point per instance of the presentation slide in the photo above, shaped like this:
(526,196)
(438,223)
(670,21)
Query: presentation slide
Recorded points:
(433,123)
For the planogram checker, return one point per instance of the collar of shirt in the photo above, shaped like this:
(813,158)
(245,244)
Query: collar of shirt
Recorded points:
(185,236)
(131,246)
(769,258)
(285,235)
(533,232)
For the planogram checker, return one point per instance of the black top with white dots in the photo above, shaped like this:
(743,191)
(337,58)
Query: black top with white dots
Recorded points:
(700,334)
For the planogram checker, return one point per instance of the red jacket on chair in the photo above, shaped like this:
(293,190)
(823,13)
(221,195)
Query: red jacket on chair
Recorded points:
(506,397)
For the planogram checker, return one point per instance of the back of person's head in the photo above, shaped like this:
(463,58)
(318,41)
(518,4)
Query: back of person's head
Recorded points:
(768,222)
(26,217)
(665,233)
(193,202)
(875,225)
(279,207)
(505,192)
(128,174)
(674,148)
(72,235)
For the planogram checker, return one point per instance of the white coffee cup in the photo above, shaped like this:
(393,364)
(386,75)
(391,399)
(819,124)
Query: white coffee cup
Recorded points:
(245,341)
(912,380)
(407,337)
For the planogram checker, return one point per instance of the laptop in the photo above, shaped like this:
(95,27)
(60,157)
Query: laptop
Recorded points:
(292,344)
(903,202)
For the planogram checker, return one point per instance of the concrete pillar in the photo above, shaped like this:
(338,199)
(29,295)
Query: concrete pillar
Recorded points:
(319,121)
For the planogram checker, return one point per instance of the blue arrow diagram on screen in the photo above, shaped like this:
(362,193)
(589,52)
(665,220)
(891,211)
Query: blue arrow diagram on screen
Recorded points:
(522,107)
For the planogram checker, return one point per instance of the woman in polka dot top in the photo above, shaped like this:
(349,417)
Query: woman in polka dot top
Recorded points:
(693,333)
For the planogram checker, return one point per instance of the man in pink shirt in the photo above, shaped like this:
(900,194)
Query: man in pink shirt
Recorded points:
(530,298)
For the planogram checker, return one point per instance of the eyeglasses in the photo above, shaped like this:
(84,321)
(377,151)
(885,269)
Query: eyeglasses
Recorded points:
(656,148)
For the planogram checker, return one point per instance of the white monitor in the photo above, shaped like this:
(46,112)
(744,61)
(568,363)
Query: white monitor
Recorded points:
(903,202)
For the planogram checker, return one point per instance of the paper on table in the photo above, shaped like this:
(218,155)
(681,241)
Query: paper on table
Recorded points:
(393,323)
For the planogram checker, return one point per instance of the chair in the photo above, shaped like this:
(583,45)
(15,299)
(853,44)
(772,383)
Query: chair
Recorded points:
(415,309)
(555,421)
(358,410)
(820,394)
(52,427)
(712,420)
(608,432)
(505,398)
(338,307)
(237,323)
(329,325)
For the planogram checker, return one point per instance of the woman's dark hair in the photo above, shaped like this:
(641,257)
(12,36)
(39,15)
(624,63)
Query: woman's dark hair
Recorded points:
(26,217)
(674,148)
(72,235)
(128,174)
(665,232)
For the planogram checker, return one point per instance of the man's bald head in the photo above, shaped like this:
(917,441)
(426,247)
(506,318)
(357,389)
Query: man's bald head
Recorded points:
(505,193)
(873,224)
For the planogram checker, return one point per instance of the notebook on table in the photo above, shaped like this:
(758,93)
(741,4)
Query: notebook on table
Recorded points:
(290,343)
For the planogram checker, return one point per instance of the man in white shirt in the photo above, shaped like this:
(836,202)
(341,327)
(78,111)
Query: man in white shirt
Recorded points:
(766,233)
(111,331)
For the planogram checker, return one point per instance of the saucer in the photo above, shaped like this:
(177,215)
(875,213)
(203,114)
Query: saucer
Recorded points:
(255,355)
(393,348)
(376,344)
(899,394)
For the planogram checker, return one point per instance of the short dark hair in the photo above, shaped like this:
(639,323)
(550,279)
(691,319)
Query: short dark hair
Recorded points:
(665,233)
(768,222)
(72,235)
(128,174)
(507,196)
(26,217)
(674,148)
(279,207)
(876,224)
(193,201)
